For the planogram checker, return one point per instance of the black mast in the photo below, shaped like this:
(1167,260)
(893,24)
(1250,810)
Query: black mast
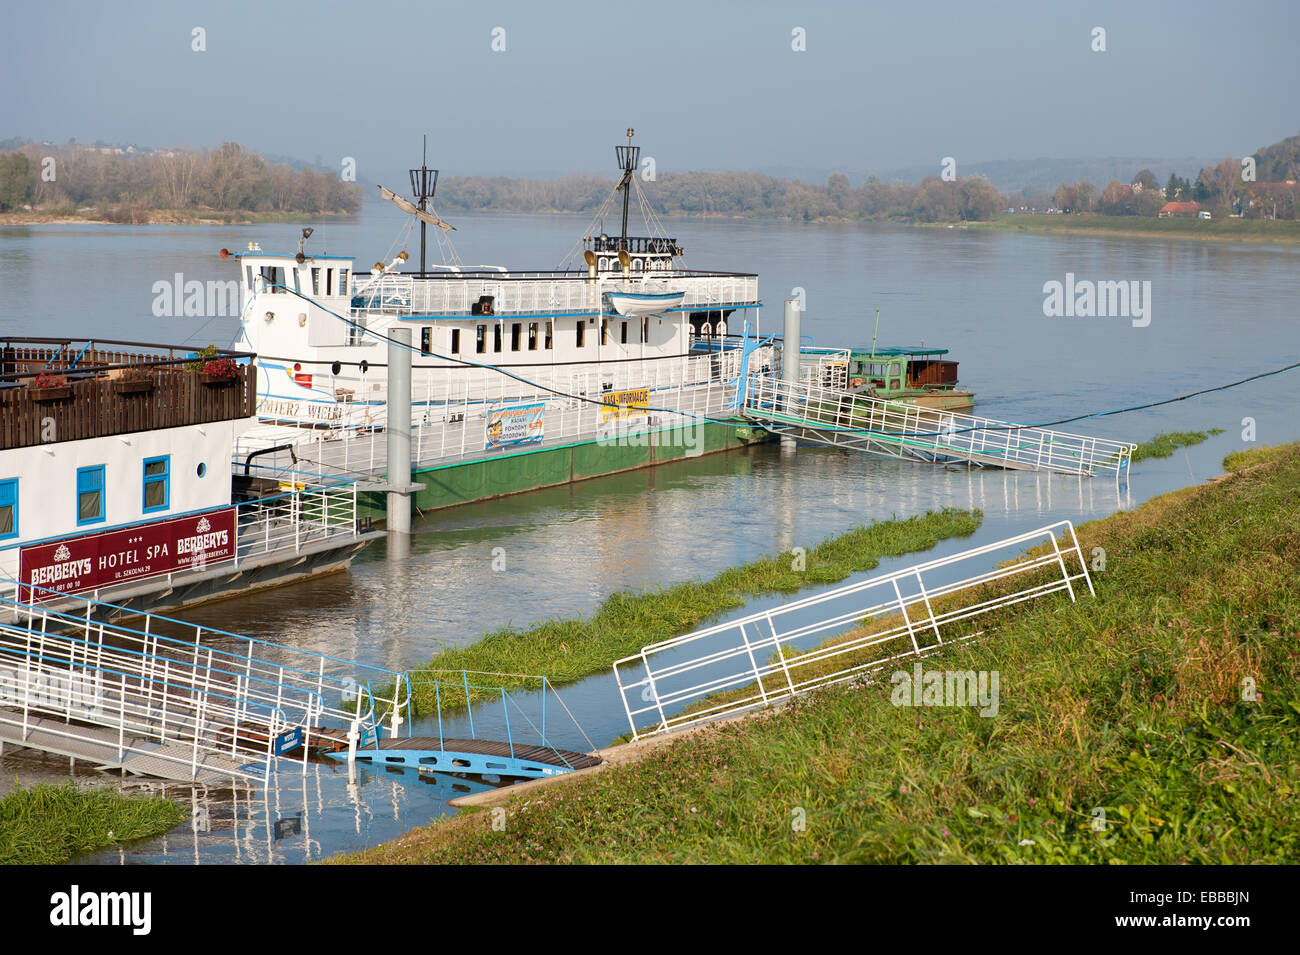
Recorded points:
(627,160)
(424,183)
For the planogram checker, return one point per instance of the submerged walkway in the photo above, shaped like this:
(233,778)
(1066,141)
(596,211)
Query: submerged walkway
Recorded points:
(860,422)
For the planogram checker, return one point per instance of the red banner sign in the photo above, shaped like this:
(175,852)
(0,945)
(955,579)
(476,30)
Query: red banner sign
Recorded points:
(113,557)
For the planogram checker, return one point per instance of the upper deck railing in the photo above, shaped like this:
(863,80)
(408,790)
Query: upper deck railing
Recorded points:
(69,390)
(516,293)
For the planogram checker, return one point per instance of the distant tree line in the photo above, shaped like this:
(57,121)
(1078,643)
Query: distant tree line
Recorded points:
(1274,191)
(737,193)
(126,186)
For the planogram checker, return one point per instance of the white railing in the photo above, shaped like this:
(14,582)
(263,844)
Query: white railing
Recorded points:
(828,367)
(841,418)
(206,691)
(768,657)
(449,420)
(297,518)
(404,294)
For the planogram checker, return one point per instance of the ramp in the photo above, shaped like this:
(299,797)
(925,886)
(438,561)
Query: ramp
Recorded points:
(859,422)
(847,633)
(169,699)
(537,758)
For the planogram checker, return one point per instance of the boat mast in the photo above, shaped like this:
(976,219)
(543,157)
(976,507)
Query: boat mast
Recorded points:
(423,186)
(627,161)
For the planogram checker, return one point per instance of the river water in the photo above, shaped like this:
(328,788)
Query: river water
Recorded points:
(1218,312)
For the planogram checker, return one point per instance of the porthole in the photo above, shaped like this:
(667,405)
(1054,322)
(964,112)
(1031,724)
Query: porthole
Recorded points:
(202,469)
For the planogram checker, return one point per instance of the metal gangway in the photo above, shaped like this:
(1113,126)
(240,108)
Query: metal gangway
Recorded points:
(175,700)
(839,418)
(847,633)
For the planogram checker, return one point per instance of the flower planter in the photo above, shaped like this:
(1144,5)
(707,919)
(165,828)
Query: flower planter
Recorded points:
(57,393)
(216,380)
(141,386)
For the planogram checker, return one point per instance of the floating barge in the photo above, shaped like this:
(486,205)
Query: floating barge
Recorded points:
(116,480)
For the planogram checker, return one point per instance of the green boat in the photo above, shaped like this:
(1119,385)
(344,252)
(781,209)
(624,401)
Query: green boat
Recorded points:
(912,375)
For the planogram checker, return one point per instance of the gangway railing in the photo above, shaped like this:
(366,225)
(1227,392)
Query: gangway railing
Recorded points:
(450,418)
(160,662)
(861,422)
(496,728)
(769,657)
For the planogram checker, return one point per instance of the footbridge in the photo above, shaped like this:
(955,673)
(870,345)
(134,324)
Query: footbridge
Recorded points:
(840,418)
(170,699)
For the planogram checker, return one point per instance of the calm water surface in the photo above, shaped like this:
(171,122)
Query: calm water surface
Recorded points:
(1219,312)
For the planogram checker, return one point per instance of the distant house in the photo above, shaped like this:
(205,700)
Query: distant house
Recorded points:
(1170,209)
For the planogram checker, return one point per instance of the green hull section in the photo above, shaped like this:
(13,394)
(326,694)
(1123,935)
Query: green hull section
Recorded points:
(503,474)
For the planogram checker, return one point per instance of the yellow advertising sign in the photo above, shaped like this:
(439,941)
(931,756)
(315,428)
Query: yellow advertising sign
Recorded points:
(624,404)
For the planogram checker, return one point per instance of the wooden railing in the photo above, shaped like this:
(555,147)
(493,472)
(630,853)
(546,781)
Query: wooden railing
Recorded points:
(96,392)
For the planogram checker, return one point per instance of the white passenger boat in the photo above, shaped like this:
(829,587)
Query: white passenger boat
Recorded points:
(625,318)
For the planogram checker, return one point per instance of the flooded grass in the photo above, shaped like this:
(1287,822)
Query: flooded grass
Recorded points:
(1158,723)
(567,650)
(1163,445)
(48,825)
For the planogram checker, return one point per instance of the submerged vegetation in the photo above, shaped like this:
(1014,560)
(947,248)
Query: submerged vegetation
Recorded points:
(1163,445)
(1156,723)
(48,825)
(569,649)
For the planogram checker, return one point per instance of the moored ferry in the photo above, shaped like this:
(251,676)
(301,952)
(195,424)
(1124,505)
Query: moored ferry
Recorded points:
(625,318)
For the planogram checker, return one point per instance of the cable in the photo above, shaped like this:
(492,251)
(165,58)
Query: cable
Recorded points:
(733,424)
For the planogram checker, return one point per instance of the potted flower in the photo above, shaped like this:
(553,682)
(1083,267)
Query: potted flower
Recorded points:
(133,381)
(219,371)
(49,386)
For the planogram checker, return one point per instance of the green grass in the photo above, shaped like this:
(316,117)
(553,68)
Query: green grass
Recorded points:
(1163,445)
(569,649)
(1253,230)
(48,825)
(1134,705)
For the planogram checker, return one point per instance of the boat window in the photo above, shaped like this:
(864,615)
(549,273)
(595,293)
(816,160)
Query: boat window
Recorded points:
(480,341)
(329,281)
(496,337)
(315,281)
(549,329)
(645,330)
(157,483)
(9,508)
(426,340)
(582,332)
(273,276)
(624,333)
(90,494)
(532,336)
(455,341)
(516,329)
(343,281)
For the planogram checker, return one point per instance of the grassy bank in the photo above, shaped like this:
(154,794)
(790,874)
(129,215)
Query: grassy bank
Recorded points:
(48,825)
(1243,230)
(1156,723)
(569,649)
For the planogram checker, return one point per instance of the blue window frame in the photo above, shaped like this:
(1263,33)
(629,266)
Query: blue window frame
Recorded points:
(8,508)
(90,495)
(157,483)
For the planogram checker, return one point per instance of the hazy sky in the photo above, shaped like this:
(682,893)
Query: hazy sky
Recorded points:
(707,85)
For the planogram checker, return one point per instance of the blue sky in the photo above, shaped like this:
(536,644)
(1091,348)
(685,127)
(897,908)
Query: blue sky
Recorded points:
(707,85)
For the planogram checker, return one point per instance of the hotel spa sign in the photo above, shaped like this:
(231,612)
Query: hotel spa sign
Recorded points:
(113,557)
